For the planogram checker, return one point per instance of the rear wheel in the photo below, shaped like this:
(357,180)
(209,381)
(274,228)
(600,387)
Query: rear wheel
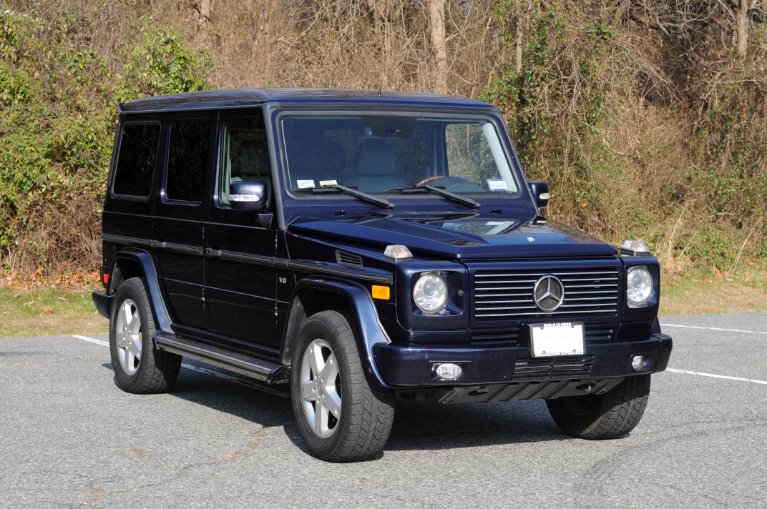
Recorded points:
(341,415)
(138,366)
(609,415)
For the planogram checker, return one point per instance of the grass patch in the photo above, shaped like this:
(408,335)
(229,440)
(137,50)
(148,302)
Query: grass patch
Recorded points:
(48,312)
(715,294)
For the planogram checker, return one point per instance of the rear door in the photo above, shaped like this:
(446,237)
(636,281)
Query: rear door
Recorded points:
(179,226)
(240,276)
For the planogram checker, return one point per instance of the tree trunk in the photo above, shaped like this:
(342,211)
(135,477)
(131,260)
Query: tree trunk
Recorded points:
(519,37)
(205,11)
(741,15)
(437,15)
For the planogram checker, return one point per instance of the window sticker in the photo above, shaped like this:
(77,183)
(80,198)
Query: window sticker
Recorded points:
(324,183)
(305,184)
(497,185)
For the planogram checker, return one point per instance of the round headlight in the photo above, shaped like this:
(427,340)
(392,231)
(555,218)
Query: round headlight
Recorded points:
(639,286)
(430,293)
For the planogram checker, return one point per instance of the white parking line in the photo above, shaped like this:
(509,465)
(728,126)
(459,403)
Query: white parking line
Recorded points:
(710,375)
(713,328)
(92,340)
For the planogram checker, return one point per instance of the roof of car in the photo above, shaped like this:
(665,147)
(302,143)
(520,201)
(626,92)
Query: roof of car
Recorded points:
(226,99)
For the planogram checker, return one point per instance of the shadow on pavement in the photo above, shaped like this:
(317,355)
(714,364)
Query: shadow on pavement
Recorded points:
(421,425)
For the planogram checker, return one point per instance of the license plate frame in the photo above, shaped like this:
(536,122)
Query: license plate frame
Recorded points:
(557,339)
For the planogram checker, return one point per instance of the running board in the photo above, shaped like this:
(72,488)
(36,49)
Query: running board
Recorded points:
(258,369)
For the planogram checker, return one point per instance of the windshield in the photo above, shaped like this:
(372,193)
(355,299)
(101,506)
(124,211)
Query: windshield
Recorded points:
(382,153)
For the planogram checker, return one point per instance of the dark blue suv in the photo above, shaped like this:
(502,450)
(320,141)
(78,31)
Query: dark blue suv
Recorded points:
(362,247)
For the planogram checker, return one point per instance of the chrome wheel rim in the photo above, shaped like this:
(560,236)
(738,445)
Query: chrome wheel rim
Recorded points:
(320,382)
(128,337)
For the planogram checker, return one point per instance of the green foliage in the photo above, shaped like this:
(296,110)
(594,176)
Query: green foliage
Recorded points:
(58,111)
(163,65)
(580,74)
(557,103)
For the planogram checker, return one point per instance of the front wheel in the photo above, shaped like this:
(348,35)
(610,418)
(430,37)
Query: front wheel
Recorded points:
(609,415)
(341,415)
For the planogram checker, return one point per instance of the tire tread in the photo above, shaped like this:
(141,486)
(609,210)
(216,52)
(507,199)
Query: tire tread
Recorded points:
(368,424)
(157,370)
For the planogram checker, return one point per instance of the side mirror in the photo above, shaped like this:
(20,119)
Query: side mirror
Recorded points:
(540,190)
(247,196)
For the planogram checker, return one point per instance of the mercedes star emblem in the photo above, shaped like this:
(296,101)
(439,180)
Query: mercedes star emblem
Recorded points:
(548,293)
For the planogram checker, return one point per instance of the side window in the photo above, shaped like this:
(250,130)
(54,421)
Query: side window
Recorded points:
(246,155)
(136,160)
(188,160)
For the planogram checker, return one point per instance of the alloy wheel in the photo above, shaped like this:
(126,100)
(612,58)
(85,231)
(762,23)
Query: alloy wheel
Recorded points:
(320,381)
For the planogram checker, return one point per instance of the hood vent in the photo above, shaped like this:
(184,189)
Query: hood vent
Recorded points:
(350,259)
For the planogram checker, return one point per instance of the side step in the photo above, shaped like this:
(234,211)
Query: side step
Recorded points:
(258,369)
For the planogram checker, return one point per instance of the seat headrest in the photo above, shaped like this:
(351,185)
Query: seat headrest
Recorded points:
(332,159)
(375,158)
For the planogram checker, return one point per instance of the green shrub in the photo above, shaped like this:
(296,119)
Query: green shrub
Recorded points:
(57,117)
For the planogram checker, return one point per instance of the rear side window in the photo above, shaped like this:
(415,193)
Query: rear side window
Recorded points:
(136,161)
(188,160)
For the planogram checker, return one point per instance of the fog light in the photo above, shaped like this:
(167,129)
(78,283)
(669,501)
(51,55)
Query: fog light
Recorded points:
(448,371)
(637,362)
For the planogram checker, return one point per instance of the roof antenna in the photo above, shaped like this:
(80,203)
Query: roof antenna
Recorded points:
(379,90)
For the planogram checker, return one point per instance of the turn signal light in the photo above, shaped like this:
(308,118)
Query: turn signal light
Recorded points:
(381,292)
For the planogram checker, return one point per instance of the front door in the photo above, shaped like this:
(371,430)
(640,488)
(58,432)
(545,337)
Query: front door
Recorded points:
(240,278)
(180,216)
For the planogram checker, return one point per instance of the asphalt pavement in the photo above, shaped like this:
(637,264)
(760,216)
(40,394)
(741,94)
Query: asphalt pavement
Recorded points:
(70,438)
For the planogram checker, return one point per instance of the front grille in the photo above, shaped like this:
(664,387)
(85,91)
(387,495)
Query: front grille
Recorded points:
(555,368)
(509,294)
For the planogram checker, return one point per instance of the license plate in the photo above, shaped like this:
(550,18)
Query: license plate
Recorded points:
(555,339)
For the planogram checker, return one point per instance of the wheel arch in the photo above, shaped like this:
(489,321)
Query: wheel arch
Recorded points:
(132,262)
(312,295)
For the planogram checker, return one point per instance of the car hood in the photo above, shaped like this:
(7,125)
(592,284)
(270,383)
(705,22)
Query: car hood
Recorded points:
(458,237)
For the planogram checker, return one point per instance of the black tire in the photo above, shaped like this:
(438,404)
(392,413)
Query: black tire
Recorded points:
(366,411)
(609,415)
(154,371)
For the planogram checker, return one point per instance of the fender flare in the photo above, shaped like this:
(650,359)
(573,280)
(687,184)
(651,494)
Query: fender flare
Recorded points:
(144,260)
(368,329)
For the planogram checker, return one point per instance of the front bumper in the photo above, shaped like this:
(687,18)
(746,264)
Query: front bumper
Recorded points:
(412,367)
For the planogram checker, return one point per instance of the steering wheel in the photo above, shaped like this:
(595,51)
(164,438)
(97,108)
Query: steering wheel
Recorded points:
(452,184)
(428,180)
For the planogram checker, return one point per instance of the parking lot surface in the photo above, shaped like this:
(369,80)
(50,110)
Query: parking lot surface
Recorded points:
(71,438)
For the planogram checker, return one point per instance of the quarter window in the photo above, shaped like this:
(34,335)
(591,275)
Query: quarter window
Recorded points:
(136,161)
(188,160)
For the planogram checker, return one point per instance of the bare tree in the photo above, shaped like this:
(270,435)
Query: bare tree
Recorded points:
(204,10)
(438,41)
(741,16)
(519,38)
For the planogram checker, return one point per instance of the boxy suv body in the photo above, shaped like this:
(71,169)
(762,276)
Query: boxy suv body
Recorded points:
(362,247)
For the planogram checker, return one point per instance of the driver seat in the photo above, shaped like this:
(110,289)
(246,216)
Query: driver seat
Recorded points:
(375,168)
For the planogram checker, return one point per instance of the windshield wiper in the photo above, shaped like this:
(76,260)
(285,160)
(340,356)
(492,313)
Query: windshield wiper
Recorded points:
(380,202)
(463,200)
